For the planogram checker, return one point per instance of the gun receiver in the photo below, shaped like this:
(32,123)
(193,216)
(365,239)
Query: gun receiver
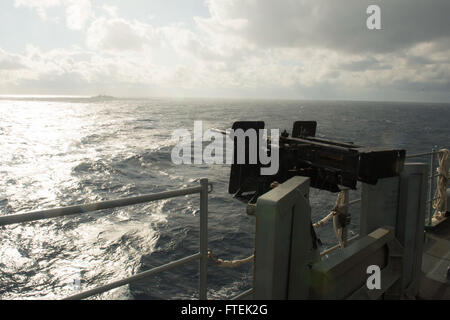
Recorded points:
(329,164)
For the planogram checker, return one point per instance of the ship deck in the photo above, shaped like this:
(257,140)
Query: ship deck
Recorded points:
(436,262)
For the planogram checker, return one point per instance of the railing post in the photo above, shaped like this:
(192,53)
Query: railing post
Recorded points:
(379,205)
(285,243)
(432,170)
(344,212)
(409,226)
(203,239)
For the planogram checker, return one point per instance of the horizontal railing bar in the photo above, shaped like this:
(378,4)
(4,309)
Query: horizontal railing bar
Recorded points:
(424,153)
(109,204)
(421,154)
(436,175)
(139,276)
(327,251)
(350,203)
(354,201)
(243,294)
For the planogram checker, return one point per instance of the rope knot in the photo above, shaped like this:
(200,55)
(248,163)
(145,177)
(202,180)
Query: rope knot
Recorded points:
(440,198)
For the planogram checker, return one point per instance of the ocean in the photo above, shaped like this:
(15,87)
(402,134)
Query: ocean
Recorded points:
(65,151)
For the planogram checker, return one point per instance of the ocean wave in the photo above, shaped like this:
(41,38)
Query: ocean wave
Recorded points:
(93,167)
(92,139)
(112,153)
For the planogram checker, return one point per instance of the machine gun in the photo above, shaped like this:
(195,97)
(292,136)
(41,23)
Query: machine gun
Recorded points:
(329,164)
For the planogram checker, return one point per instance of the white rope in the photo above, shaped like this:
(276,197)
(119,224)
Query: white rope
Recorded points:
(336,210)
(338,213)
(325,220)
(229,263)
(341,235)
(440,197)
(341,220)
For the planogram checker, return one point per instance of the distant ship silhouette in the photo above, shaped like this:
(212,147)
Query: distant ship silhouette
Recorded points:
(102,97)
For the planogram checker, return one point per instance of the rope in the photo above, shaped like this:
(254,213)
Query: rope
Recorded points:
(328,217)
(440,197)
(229,263)
(340,218)
(335,211)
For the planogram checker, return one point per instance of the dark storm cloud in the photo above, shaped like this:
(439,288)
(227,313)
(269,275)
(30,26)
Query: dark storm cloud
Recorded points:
(341,25)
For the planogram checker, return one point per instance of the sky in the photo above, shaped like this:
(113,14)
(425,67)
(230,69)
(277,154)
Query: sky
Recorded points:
(288,49)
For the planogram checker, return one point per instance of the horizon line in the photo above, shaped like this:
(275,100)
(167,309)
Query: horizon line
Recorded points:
(84,96)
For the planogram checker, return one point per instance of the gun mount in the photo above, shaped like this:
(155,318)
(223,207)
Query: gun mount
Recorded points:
(329,164)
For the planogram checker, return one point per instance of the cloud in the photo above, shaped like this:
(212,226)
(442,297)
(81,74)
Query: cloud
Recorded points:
(322,43)
(187,43)
(328,24)
(66,70)
(364,64)
(41,6)
(77,12)
(300,48)
(119,34)
(14,69)
(10,61)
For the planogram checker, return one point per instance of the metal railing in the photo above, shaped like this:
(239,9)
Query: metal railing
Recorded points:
(431,177)
(202,255)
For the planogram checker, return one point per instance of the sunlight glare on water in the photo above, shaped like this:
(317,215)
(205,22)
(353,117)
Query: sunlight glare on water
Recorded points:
(43,142)
(58,152)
